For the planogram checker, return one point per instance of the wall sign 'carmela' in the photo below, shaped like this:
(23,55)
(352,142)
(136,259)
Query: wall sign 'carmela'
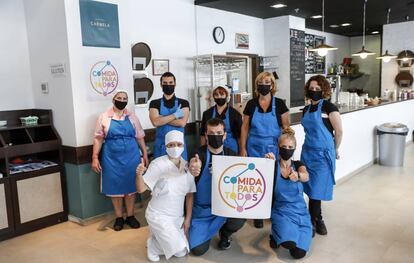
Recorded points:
(242,187)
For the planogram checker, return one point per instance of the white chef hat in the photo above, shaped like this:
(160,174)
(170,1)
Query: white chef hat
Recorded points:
(174,136)
(120,91)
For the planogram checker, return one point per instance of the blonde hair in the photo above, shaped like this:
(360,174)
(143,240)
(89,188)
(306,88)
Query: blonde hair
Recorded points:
(289,134)
(263,75)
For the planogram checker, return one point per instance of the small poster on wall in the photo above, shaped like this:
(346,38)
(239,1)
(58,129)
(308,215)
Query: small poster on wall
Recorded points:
(242,187)
(242,41)
(99,23)
(103,77)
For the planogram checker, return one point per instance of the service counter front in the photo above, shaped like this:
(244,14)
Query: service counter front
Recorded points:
(358,149)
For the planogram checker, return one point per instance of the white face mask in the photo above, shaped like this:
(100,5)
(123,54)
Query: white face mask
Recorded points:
(175,152)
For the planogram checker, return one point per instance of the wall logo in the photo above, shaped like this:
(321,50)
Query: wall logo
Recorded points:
(242,186)
(104,77)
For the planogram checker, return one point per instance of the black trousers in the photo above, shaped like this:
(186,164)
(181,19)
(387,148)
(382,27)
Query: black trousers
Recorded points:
(315,210)
(231,226)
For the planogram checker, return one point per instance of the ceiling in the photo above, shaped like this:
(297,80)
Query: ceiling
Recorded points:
(336,12)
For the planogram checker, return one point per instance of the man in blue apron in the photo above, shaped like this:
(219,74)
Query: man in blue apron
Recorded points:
(168,113)
(291,223)
(205,225)
(231,117)
(323,134)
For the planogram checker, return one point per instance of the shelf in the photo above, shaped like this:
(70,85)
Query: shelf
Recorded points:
(40,172)
(31,148)
(16,127)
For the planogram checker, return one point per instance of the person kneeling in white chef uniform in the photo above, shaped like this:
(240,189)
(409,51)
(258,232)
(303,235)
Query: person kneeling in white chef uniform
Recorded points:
(171,183)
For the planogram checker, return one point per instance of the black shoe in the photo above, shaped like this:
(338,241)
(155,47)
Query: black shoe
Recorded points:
(119,224)
(225,242)
(132,222)
(272,242)
(321,228)
(258,223)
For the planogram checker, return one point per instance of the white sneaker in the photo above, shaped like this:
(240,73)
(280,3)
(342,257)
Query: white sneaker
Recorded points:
(152,257)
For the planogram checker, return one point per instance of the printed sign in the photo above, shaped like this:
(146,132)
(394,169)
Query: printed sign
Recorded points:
(104,77)
(242,187)
(99,22)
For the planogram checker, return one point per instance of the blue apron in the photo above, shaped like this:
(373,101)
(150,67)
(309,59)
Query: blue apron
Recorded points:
(204,225)
(264,133)
(230,141)
(290,217)
(120,157)
(318,155)
(159,144)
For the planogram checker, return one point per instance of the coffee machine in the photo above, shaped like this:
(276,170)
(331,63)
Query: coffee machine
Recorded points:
(336,85)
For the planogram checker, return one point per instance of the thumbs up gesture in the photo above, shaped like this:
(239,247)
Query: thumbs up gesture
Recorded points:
(195,166)
(141,167)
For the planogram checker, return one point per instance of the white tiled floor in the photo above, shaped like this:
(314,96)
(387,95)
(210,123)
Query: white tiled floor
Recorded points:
(370,220)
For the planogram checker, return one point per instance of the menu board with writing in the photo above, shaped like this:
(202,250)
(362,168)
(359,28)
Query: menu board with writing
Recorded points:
(297,67)
(314,64)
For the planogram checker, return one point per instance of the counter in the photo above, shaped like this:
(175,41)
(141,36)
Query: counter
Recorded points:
(359,144)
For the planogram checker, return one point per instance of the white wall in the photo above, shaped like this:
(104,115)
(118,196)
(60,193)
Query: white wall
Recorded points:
(370,66)
(359,144)
(46,31)
(276,31)
(395,38)
(16,87)
(208,18)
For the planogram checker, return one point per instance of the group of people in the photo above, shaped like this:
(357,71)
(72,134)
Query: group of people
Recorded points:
(180,206)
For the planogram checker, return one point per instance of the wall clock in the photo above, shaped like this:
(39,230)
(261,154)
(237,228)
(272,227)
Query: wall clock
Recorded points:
(218,35)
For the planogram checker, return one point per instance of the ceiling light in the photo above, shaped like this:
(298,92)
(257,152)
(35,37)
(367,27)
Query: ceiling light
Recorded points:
(405,55)
(316,17)
(375,32)
(323,49)
(278,6)
(346,24)
(334,26)
(363,53)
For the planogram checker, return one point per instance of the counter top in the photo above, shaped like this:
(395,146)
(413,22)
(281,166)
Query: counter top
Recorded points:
(295,118)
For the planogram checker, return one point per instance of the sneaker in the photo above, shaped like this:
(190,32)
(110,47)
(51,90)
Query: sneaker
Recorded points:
(119,224)
(224,243)
(132,222)
(258,223)
(152,257)
(272,242)
(321,228)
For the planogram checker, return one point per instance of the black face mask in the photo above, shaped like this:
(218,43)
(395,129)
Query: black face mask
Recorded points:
(215,141)
(314,95)
(264,89)
(220,101)
(286,154)
(168,89)
(120,105)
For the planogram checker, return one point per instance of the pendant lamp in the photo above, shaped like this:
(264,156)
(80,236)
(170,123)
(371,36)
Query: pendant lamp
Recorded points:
(363,53)
(386,57)
(323,49)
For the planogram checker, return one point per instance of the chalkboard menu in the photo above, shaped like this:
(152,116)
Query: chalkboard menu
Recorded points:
(314,64)
(297,67)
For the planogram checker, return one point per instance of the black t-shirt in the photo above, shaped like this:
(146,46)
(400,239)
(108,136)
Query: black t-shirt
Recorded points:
(253,103)
(296,164)
(235,120)
(202,154)
(156,104)
(327,108)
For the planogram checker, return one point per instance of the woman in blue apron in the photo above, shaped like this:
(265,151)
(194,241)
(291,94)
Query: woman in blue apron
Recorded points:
(323,135)
(291,224)
(118,137)
(168,113)
(231,117)
(205,225)
(263,119)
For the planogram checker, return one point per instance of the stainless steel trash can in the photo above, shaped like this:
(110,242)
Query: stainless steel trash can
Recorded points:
(392,143)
